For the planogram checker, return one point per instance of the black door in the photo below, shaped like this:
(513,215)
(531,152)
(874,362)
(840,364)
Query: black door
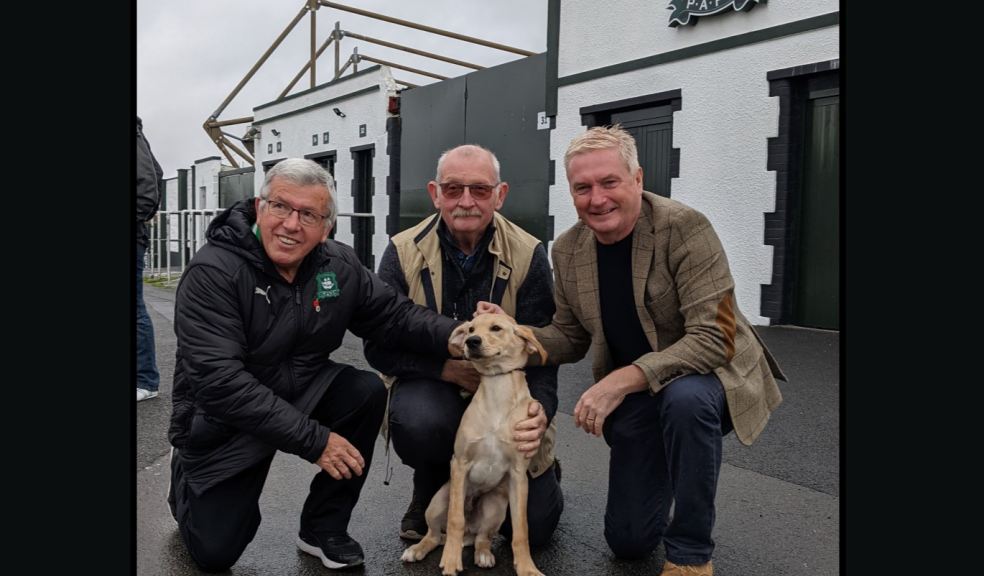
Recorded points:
(652,129)
(818,301)
(362,190)
(327,161)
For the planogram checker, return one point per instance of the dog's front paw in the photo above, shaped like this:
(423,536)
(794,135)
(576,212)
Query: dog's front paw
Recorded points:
(414,553)
(451,562)
(421,549)
(484,558)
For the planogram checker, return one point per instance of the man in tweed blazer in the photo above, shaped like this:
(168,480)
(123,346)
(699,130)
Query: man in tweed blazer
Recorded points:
(644,281)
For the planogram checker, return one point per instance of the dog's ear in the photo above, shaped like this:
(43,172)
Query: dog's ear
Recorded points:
(532,345)
(456,343)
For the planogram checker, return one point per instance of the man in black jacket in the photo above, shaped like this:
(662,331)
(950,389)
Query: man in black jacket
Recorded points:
(465,253)
(258,312)
(149,192)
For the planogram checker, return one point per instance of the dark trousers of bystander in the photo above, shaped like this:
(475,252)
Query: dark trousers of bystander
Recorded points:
(148,377)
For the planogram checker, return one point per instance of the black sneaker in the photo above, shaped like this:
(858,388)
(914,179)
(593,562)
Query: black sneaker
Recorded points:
(336,552)
(414,525)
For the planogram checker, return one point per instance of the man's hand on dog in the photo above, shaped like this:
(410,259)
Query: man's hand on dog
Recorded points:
(340,458)
(530,431)
(604,397)
(462,373)
(488,308)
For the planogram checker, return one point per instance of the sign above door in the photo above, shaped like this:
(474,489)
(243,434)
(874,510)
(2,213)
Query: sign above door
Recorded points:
(687,11)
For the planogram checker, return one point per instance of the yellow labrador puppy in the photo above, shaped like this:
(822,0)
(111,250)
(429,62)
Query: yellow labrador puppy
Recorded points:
(488,473)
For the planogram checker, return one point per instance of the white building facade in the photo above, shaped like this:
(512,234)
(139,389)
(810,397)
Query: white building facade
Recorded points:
(711,96)
(352,143)
(734,105)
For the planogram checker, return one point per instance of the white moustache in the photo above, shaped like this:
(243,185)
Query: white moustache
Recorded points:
(465,213)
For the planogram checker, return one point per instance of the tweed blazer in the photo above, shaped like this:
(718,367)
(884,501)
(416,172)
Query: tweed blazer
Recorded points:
(684,295)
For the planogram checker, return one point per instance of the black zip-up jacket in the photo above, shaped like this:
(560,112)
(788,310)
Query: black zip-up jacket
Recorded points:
(253,349)
(150,186)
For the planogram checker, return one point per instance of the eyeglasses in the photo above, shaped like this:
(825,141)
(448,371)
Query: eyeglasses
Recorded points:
(283,211)
(454,190)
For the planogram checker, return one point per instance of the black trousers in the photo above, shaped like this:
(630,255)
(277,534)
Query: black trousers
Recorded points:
(218,525)
(424,418)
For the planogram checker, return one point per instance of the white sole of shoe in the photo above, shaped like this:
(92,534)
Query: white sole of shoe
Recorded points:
(316,551)
(147,396)
(167,493)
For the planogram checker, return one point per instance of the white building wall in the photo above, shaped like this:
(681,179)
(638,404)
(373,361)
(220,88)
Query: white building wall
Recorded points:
(206,195)
(173,225)
(311,113)
(638,28)
(207,176)
(725,120)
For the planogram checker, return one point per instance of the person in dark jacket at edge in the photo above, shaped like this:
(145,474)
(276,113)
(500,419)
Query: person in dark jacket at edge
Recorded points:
(150,189)
(257,314)
(465,253)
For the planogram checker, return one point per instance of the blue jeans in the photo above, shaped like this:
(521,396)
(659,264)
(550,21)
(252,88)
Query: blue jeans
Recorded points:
(666,448)
(147,375)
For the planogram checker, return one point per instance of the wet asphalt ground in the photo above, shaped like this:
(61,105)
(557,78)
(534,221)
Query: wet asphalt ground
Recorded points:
(778,503)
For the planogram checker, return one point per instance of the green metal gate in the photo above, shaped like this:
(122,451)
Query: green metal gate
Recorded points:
(818,286)
(496,108)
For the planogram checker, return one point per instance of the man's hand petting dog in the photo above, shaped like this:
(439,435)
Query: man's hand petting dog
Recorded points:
(462,373)
(529,432)
(488,308)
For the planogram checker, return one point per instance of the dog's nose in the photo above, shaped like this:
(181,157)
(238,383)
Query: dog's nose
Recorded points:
(473,341)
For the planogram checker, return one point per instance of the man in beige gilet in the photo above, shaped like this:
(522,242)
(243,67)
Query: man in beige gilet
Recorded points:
(465,253)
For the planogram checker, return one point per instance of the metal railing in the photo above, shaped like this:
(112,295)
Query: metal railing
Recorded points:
(175,236)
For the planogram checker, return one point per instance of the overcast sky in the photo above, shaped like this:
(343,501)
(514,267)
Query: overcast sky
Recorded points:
(191,54)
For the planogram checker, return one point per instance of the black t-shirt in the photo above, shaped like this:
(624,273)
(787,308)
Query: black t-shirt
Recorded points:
(619,319)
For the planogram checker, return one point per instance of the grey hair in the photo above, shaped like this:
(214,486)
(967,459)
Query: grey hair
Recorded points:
(604,138)
(302,172)
(468,150)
